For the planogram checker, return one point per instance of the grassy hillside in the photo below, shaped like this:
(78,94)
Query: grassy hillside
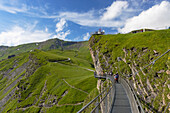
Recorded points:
(46,81)
(45,46)
(136,51)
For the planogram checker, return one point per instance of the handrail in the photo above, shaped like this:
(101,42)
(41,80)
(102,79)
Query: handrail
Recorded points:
(92,100)
(104,77)
(139,106)
(167,107)
(153,62)
(111,90)
(101,100)
(136,102)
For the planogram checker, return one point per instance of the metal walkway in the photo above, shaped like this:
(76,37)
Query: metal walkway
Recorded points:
(116,98)
(121,102)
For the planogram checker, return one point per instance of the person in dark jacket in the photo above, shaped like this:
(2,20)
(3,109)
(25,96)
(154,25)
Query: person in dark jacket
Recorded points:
(116,76)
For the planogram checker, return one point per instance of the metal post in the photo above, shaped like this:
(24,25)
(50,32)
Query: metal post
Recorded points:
(106,104)
(167,107)
(97,110)
(109,103)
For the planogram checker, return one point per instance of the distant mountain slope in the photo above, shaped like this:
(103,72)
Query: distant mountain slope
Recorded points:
(48,79)
(47,45)
(136,51)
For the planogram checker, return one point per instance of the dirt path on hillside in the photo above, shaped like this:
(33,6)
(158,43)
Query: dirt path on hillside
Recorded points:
(74,87)
(86,69)
(75,65)
(70,104)
(68,59)
(24,108)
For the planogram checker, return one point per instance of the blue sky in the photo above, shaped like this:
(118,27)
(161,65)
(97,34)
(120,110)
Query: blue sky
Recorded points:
(26,21)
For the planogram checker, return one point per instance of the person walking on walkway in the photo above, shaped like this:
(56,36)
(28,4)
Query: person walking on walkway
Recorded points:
(116,77)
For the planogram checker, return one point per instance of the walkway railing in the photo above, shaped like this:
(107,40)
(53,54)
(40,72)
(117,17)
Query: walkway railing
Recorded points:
(102,102)
(136,106)
(166,109)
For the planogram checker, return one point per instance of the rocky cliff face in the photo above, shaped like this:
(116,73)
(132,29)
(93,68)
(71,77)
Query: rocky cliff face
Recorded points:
(151,84)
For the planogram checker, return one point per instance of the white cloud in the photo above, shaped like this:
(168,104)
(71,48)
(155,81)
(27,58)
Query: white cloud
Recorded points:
(31,27)
(80,18)
(86,36)
(19,6)
(18,35)
(114,10)
(27,34)
(102,18)
(11,8)
(62,35)
(156,17)
(46,29)
(60,25)
(88,19)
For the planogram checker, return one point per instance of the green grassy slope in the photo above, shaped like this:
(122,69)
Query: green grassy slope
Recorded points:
(45,46)
(138,50)
(46,81)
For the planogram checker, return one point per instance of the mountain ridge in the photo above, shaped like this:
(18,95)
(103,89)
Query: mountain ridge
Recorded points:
(50,44)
